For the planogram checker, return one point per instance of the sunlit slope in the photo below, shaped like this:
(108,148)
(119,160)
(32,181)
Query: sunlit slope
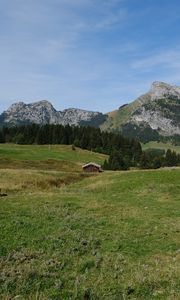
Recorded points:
(121,116)
(46,156)
(160,145)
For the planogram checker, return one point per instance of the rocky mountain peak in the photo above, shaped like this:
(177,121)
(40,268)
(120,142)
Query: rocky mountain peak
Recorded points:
(154,113)
(43,112)
(159,109)
(43,103)
(161,90)
(16,106)
(159,84)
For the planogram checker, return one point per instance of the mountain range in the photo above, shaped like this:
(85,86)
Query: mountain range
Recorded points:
(154,114)
(43,112)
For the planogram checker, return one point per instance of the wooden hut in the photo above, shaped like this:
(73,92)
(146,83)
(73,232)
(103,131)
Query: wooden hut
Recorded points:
(92,167)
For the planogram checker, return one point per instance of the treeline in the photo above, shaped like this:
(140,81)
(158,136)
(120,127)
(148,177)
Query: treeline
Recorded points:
(89,138)
(123,152)
(149,159)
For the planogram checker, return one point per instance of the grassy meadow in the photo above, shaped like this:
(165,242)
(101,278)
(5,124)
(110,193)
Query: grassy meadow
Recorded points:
(69,235)
(160,145)
(47,157)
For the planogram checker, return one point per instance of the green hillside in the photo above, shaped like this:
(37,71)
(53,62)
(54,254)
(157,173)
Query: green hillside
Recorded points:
(59,157)
(113,235)
(160,145)
(119,117)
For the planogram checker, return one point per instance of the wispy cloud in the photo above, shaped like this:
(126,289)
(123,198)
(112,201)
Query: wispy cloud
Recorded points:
(169,58)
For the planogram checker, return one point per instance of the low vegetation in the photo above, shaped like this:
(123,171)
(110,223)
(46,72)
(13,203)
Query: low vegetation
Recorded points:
(161,146)
(47,157)
(88,138)
(123,153)
(113,235)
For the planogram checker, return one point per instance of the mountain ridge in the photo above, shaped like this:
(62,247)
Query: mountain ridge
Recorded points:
(158,110)
(155,113)
(43,112)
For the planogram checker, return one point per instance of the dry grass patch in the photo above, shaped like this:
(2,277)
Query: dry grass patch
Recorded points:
(18,179)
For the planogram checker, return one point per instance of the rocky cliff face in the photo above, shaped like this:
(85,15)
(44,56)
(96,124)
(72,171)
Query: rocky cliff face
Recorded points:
(161,90)
(43,112)
(160,109)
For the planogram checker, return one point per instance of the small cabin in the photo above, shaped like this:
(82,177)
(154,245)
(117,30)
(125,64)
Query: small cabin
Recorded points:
(92,167)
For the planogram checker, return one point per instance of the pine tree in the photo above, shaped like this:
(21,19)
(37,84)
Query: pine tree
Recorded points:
(2,140)
(106,165)
(144,161)
(171,158)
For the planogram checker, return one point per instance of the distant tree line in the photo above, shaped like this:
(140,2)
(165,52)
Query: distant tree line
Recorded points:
(85,137)
(123,152)
(153,159)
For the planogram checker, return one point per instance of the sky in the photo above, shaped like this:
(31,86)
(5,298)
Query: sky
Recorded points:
(89,54)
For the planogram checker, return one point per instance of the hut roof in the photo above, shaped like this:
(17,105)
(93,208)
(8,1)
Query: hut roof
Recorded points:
(91,164)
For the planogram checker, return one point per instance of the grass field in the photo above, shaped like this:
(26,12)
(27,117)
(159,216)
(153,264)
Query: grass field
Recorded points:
(52,157)
(113,235)
(160,145)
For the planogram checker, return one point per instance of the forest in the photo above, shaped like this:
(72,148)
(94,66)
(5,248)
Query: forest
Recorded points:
(123,152)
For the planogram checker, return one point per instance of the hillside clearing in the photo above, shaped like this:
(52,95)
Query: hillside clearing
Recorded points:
(160,145)
(46,157)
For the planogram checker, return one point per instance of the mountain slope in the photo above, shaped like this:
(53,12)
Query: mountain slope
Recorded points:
(43,112)
(154,113)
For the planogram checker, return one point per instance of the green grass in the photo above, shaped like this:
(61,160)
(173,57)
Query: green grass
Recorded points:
(160,145)
(119,117)
(54,157)
(113,235)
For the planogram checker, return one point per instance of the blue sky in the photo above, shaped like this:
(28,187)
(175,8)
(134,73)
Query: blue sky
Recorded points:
(90,54)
